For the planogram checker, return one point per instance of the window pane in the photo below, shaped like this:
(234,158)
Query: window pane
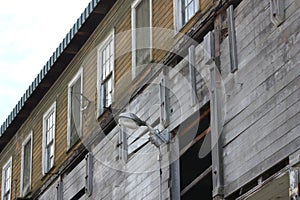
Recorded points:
(75,111)
(143,33)
(188,10)
(109,89)
(26,165)
(7,179)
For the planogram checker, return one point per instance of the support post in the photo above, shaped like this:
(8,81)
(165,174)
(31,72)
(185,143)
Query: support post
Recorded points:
(216,137)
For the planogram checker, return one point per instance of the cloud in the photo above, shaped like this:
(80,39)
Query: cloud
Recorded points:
(30,32)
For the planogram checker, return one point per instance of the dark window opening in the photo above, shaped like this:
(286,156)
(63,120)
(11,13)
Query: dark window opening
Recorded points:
(195,157)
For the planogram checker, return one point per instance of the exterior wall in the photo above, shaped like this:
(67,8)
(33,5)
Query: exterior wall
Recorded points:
(263,94)
(262,119)
(119,18)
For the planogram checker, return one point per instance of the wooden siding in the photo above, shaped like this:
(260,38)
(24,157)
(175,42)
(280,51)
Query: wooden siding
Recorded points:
(136,179)
(51,192)
(119,19)
(262,119)
(74,181)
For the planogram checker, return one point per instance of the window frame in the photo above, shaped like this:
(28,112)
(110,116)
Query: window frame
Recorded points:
(51,110)
(78,75)
(177,14)
(4,168)
(24,143)
(133,28)
(100,81)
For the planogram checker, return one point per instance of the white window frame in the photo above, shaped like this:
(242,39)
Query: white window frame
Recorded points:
(109,39)
(133,28)
(4,168)
(78,75)
(177,14)
(51,110)
(25,142)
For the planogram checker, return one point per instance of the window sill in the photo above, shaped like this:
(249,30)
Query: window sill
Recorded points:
(73,146)
(49,172)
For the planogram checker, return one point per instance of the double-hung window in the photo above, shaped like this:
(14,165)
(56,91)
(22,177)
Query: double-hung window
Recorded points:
(26,165)
(75,109)
(141,35)
(184,11)
(105,73)
(48,138)
(6,180)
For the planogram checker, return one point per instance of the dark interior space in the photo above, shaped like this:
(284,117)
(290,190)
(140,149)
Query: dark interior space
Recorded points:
(195,168)
(201,191)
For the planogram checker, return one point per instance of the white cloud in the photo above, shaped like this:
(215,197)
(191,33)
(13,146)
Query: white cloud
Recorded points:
(30,32)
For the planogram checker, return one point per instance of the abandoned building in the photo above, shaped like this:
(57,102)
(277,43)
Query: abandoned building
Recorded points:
(162,99)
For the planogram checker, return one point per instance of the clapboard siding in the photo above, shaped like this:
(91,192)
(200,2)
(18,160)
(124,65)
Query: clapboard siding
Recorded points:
(119,20)
(262,105)
(74,181)
(272,52)
(180,88)
(136,179)
(51,192)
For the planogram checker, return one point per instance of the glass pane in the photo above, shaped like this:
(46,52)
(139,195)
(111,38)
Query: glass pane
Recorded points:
(191,10)
(26,166)
(7,179)
(109,88)
(75,111)
(143,35)
(103,57)
(47,159)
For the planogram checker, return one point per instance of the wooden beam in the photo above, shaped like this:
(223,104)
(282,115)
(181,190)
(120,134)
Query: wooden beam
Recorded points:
(198,138)
(196,180)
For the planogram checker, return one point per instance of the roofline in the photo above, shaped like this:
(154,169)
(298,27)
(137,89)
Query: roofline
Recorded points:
(61,57)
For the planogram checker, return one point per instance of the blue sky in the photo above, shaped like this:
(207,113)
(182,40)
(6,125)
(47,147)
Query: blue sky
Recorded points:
(30,31)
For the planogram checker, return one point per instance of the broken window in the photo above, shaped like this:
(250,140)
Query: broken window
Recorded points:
(74,109)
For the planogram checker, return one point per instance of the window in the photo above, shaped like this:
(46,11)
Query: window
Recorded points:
(141,35)
(6,180)
(105,73)
(48,138)
(184,11)
(26,165)
(74,109)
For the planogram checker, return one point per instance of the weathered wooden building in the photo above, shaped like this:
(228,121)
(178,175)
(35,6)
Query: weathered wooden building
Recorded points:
(215,84)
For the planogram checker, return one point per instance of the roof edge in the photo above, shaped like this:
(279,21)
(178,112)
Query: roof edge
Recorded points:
(46,68)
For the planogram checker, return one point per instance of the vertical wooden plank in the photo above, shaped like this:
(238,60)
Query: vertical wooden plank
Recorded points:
(192,77)
(218,39)
(217,162)
(89,174)
(164,115)
(277,11)
(294,182)
(208,48)
(123,145)
(59,189)
(232,39)
(175,169)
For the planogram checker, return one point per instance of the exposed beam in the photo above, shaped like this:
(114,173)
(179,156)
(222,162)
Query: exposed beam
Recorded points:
(196,180)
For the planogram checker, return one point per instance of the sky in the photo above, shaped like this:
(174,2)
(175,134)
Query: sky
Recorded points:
(30,31)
